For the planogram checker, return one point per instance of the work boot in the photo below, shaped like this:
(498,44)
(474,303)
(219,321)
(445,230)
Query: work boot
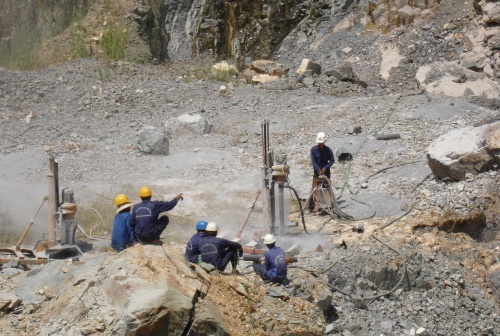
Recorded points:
(235,272)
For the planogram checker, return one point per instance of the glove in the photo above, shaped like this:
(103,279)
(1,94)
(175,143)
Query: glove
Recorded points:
(262,260)
(288,259)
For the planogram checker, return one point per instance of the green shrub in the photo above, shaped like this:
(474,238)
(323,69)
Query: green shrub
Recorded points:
(78,44)
(114,42)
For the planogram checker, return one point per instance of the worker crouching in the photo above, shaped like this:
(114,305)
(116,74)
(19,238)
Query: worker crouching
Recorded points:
(218,251)
(122,235)
(274,266)
(146,222)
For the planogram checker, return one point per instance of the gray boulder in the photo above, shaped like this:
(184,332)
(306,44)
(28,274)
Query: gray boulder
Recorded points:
(468,150)
(187,124)
(493,281)
(207,321)
(153,141)
(492,36)
(491,11)
(473,60)
(342,73)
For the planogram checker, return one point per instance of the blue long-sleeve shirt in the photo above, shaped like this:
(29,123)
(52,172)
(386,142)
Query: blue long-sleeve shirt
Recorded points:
(122,234)
(322,159)
(212,248)
(192,247)
(275,262)
(145,216)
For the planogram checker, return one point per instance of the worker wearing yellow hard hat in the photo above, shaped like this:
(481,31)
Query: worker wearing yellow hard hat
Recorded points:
(122,235)
(146,221)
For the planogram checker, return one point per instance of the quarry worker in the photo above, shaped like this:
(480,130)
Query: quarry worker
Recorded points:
(122,235)
(192,253)
(145,221)
(218,251)
(322,157)
(273,266)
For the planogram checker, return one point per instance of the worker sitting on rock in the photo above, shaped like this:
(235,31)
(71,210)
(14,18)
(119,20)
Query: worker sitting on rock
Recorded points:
(273,266)
(192,248)
(218,251)
(146,222)
(122,235)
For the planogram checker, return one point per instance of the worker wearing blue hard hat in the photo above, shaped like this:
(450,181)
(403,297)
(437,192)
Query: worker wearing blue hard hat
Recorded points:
(192,251)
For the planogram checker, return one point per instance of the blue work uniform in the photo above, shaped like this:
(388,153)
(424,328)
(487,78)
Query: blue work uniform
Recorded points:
(322,159)
(122,235)
(145,222)
(274,269)
(192,247)
(218,251)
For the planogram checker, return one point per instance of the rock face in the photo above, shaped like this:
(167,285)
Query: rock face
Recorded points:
(145,290)
(468,150)
(152,141)
(23,22)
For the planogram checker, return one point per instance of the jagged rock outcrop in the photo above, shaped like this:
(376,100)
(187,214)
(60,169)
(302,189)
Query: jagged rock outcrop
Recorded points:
(144,290)
(451,79)
(470,150)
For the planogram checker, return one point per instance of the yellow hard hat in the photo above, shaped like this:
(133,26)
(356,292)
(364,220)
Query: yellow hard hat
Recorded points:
(121,199)
(145,192)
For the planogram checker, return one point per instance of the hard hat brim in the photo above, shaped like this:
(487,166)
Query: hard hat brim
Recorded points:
(320,141)
(123,207)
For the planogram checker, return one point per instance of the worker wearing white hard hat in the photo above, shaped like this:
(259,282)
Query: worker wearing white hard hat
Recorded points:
(218,251)
(273,266)
(322,157)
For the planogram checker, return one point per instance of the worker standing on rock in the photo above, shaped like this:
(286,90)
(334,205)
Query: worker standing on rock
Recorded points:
(273,266)
(146,222)
(218,251)
(192,248)
(122,235)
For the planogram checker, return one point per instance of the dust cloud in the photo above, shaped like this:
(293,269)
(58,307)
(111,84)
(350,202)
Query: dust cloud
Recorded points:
(19,202)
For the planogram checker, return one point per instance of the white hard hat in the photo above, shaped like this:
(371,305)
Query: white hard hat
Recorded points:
(269,239)
(212,227)
(321,137)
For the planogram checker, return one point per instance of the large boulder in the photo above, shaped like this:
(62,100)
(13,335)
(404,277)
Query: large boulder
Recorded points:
(144,290)
(188,123)
(492,37)
(451,79)
(491,11)
(309,66)
(153,141)
(343,73)
(493,281)
(468,150)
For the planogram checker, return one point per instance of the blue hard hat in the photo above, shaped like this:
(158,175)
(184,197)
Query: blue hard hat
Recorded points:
(201,225)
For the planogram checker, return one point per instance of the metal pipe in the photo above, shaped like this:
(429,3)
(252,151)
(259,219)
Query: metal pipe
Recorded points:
(273,208)
(52,202)
(282,209)
(31,222)
(240,231)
